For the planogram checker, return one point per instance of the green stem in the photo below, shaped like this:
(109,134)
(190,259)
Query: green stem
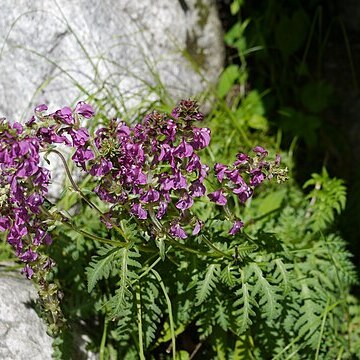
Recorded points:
(139,318)
(103,340)
(169,306)
(191,250)
(82,195)
(212,246)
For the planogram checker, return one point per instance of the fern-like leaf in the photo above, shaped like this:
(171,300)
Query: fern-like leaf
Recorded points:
(126,259)
(269,297)
(205,286)
(101,265)
(327,197)
(244,304)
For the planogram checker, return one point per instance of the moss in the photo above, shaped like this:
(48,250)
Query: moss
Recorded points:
(193,49)
(203,13)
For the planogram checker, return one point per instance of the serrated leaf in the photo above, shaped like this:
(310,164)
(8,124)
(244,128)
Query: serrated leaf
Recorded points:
(205,286)
(268,293)
(101,266)
(244,312)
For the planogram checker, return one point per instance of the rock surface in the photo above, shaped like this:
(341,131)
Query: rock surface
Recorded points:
(52,51)
(22,333)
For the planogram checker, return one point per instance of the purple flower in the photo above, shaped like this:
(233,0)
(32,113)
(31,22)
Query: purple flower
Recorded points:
(179,181)
(277,160)
(166,183)
(162,209)
(104,195)
(166,154)
(203,172)
(122,130)
(41,108)
(188,110)
(48,135)
(185,202)
(84,109)
(82,154)
(31,121)
(218,197)
(241,159)
(259,150)
(41,237)
(256,177)
(34,201)
(138,211)
(27,168)
(234,176)
(201,138)
(79,137)
(101,169)
(197,227)
(42,179)
(150,196)
(64,115)
(136,152)
(194,163)
(136,176)
(18,127)
(169,131)
(243,192)
(197,189)
(17,231)
(29,256)
(28,271)
(177,231)
(220,171)
(183,150)
(4,223)
(236,227)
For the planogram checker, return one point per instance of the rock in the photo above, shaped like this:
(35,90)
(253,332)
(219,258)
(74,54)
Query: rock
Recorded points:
(60,51)
(22,333)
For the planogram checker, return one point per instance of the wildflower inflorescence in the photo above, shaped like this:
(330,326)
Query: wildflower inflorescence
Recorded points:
(151,171)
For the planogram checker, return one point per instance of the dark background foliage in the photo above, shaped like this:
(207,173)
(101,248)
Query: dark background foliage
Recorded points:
(307,67)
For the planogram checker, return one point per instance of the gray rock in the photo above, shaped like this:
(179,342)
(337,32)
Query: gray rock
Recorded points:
(52,51)
(22,333)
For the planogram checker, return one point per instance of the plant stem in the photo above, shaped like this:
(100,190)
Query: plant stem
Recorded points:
(171,319)
(139,318)
(103,340)
(212,246)
(82,195)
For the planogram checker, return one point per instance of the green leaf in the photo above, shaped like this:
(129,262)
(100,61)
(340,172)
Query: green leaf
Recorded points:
(244,304)
(101,265)
(272,201)
(205,286)
(228,79)
(123,293)
(258,122)
(269,297)
(235,6)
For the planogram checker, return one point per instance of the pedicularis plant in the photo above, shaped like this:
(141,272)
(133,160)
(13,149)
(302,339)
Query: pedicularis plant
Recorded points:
(169,256)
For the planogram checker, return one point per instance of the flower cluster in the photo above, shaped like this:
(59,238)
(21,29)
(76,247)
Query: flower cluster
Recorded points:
(23,185)
(151,170)
(154,167)
(243,176)
(63,127)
